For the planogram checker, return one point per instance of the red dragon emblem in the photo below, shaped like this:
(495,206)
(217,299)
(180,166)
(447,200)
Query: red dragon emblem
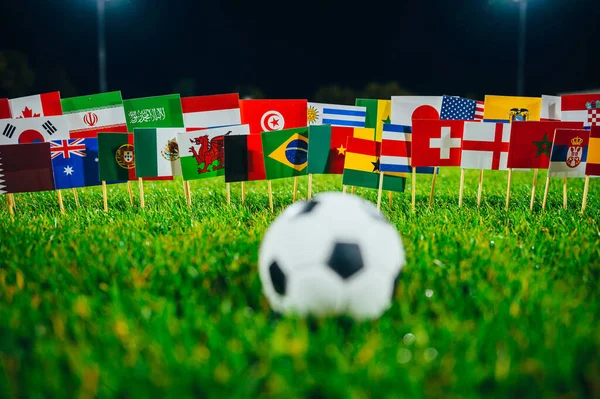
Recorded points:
(208,153)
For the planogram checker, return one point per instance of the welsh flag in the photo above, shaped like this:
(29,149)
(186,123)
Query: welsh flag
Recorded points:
(89,115)
(47,104)
(5,109)
(211,111)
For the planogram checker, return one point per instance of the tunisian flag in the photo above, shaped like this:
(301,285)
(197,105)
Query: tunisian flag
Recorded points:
(436,142)
(268,115)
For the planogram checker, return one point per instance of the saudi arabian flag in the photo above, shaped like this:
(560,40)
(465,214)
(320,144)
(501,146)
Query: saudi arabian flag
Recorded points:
(157,152)
(202,151)
(285,152)
(89,115)
(378,114)
(159,111)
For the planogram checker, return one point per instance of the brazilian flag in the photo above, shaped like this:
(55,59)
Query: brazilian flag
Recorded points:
(285,152)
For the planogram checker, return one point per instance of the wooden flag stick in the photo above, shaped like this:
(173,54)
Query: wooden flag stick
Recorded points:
(353,190)
(309,196)
(130,191)
(295,189)
(390,197)
(76,197)
(105,196)
(480,188)
(243,192)
(586,187)
(344,188)
(270,190)
(546,191)
(141,183)
(435,169)
(510,171)
(461,188)
(9,202)
(228,190)
(61,205)
(565,193)
(184,189)
(535,176)
(380,191)
(414,188)
(189,193)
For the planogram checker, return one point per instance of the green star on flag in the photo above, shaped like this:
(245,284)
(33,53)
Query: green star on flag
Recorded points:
(387,120)
(543,147)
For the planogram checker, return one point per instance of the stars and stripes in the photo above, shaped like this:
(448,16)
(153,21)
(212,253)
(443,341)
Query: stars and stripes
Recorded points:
(66,148)
(457,108)
(479,108)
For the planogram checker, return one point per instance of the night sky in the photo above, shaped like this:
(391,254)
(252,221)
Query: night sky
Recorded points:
(290,49)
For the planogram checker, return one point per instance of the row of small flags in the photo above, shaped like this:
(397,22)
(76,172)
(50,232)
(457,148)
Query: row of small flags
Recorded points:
(51,143)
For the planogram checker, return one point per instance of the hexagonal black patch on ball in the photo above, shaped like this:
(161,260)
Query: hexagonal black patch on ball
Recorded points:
(308,207)
(277,278)
(345,259)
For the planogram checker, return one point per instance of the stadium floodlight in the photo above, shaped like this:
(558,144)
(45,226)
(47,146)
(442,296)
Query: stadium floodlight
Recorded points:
(522,38)
(101,4)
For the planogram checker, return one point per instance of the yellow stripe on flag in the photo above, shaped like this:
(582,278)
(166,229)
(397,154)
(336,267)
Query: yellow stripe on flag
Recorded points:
(593,155)
(359,161)
(384,109)
(365,133)
(502,107)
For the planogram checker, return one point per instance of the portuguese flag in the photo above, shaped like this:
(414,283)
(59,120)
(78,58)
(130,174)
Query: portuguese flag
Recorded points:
(361,167)
(285,152)
(378,114)
(116,159)
(327,148)
(89,115)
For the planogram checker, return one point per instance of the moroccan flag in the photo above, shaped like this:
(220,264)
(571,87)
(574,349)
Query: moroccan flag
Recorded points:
(551,108)
(32,130)
(5,109)
(405,109)
(361,166)
(396,150)
(243,158)
(202,151)
(89,115)
(25,168)
(436,142)
(116,159)
(581,108)
(211,111)
(531,143)
(47,104)
(592,168)
(510,108)
(156,152)
(327,148)
(569,153)
(378,114)
(336,115)
(268,115)
(158,111)
(285,153)
(75,162)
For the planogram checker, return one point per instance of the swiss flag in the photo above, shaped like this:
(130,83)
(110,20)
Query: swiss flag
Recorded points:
(4,109)
(436,142)
(47,104)
(268,115)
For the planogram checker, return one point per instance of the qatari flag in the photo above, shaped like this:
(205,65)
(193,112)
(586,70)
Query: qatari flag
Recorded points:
(5,109)
(25,168)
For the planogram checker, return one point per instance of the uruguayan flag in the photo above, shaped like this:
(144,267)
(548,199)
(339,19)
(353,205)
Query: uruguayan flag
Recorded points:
(336,115)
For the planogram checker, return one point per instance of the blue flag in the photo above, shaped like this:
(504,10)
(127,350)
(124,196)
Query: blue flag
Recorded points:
(75,163)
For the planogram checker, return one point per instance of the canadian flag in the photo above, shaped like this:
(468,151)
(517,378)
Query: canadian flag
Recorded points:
(47,104)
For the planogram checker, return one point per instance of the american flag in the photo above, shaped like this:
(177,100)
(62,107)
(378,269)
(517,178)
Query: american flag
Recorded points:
(479,111)
(460,109)
(66,148)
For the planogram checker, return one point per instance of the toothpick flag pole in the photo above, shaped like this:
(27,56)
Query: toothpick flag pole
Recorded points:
(189,193)
(270,189)
(61,205)
(546,191)
(309,196)
(565,193)
(379,191)
(353,190)
(390,197)
(141,183)
(535,176)
(105,196)
(295,189)
(480,188)
(12,200)
(510,172)
(461,187)
(586,187)
(414,188)
(228,190)
(76,197)
(344,189)
(243,192)
(9,202)
(130,191)
(432,192)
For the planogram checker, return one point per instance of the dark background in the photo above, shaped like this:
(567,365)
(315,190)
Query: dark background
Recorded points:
(320,50)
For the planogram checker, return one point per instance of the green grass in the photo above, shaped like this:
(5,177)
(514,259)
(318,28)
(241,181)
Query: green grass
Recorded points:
(167,302)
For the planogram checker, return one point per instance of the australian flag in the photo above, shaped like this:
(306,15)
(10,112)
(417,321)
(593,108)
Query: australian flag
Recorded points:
(458,109)
(75,163)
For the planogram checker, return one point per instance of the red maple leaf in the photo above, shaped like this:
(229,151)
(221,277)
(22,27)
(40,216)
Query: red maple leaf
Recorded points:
(27,113)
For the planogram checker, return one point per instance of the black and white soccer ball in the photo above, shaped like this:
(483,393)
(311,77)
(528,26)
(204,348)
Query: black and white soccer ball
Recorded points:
(333,255)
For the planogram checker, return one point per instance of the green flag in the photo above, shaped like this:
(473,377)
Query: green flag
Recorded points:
(91,114)
(285,152)
(115,156)
(378,114)
(156,152)
(159,111)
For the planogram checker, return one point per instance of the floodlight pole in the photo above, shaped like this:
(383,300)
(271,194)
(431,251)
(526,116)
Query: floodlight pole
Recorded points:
(101,46)
(522,36)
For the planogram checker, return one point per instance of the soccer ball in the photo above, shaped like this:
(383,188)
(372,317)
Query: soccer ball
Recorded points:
(333,255)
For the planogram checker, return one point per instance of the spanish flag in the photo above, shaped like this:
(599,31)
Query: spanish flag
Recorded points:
(509,108)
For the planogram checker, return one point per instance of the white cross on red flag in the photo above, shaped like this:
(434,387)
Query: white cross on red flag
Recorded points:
(436,142)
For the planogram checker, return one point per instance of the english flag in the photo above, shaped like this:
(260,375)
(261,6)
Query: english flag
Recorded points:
(436,142)
(47,104)
(581,108)
(485,146)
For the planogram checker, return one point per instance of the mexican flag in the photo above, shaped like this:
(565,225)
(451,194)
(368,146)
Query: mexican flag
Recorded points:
(361,167)
(158,111)
(327,148)
(156,152)
(46,104)
(202,151)
(378,114)
(116,159)
(211,111)
(89,115)
(285,153)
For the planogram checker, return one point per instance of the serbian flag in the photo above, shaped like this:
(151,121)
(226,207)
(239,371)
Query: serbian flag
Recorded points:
(47,104)
(268,115)
(569,153)
(5,109)
(592,167)
(436,142)
(531,143)
(211,111)
(581,108)
(405,109)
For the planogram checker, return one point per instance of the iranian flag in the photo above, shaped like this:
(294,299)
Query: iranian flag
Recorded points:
(327,148)
(157,152)
(47,104)
(5,109)
(211,111)
(89,115)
